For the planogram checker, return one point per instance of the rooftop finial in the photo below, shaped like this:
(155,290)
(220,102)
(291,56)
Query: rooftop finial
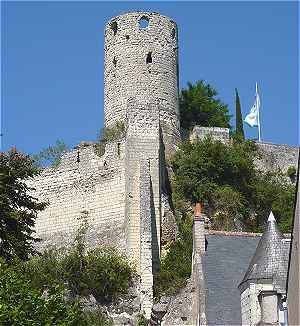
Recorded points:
(271,217)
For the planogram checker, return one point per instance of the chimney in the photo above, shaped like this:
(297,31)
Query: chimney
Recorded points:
(198,230)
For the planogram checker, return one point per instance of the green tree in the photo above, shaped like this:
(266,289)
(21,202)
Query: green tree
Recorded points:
(199,106)
(50,155)
(225,179)
(239,129)
(21,304)
(18,209)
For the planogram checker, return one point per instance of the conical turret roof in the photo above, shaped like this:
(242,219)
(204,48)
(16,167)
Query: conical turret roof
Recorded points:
(270,259)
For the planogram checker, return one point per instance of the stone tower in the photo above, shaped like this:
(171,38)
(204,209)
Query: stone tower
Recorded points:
(141,90)
(141,62)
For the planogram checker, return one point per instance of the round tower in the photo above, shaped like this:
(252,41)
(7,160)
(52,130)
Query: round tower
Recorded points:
(141,62)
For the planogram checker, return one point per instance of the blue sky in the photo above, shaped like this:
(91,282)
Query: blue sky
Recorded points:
(52,64)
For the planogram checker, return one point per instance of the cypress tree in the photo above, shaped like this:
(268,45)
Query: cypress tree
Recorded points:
(239,129)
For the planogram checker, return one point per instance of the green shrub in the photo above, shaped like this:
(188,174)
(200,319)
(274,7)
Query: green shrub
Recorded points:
(109,134)
(142,321)
(96,318)
(45,270)
(291,172)
(21,304)
(106,274)
(228,204)
(102,271)
(176,265)
(225,179)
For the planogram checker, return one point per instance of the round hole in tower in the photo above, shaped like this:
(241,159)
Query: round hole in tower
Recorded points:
(144,22)
(114,27)
(127,37)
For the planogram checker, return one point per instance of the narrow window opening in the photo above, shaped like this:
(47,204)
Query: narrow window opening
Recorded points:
(173,33)
(78,156)
(144,22)
(127,37)
(105,165)
(149,58)
(119,149)
(115,62)
(114,27)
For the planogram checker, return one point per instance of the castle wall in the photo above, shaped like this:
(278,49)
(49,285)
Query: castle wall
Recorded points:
(142,63)
(83,184)
(142,143)
(273,157)
(277,156)
(216,133)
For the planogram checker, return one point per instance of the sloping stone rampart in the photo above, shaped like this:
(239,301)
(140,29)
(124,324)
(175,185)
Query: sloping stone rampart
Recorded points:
(83,184)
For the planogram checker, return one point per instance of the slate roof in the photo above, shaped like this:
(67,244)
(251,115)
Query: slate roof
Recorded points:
(224,263)
(270,261)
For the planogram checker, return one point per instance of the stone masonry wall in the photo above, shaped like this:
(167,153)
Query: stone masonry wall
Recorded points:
(273,157)
(146,215)
(277,156)
(142,63)
(217,133)
(83,184)
(142,143)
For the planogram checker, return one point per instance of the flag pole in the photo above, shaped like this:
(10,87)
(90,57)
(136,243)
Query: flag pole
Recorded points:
(258,107)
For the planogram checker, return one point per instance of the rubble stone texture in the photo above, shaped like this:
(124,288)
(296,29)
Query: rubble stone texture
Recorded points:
(141,61)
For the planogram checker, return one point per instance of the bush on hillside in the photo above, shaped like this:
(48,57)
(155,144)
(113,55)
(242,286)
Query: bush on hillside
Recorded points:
(176,265)
(22,304)
(225,179)
(101,272)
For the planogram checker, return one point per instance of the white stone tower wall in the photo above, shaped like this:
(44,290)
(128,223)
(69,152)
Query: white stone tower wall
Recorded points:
(128,75)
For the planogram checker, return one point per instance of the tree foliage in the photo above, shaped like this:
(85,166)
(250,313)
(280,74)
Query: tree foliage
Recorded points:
(239,129)
(18,209)
(224,178)
(101,272)
(199,106)
(21,304)
(50,155)
(24,303)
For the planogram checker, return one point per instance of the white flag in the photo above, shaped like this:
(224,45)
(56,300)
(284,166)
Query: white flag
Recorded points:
(253,117)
